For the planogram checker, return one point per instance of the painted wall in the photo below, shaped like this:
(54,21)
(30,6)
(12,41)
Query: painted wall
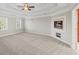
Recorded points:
(42,25)
(66,33)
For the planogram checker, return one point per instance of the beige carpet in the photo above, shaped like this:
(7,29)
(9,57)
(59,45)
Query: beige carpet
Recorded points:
(32,44)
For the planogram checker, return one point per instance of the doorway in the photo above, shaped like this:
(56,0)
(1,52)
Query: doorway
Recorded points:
(78,28)
(78,25)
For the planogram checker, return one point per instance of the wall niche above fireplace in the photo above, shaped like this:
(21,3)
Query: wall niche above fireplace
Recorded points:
(58,24)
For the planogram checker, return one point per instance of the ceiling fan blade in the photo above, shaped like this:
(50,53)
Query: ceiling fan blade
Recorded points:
(31,6)
(29,9)
(25,6)
(22,8)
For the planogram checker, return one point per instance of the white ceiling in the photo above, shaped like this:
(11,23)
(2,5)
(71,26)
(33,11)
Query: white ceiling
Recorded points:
(40,8)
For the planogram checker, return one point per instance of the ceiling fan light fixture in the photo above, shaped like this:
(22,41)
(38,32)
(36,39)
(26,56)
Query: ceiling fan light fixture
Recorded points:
(25,8)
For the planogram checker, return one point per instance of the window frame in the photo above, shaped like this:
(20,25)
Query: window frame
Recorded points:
(5,25)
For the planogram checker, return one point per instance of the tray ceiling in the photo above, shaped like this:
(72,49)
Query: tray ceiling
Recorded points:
(40,8)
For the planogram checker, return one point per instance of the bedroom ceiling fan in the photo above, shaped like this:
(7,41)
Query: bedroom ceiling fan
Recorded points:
(26,7)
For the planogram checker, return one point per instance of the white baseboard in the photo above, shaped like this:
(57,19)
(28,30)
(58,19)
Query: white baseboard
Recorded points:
(52,36)
(9,34)
(62,41)
(38,33)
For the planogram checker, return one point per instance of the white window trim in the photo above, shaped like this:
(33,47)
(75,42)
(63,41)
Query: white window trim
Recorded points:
(18,23)
(6,24)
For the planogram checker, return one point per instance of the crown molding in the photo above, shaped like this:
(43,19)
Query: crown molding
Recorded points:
(50,15)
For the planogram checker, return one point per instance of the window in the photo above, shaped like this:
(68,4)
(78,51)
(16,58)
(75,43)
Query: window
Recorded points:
(18,23)
(3,23)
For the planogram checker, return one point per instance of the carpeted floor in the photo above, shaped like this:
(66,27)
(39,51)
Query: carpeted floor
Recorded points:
(32,44)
